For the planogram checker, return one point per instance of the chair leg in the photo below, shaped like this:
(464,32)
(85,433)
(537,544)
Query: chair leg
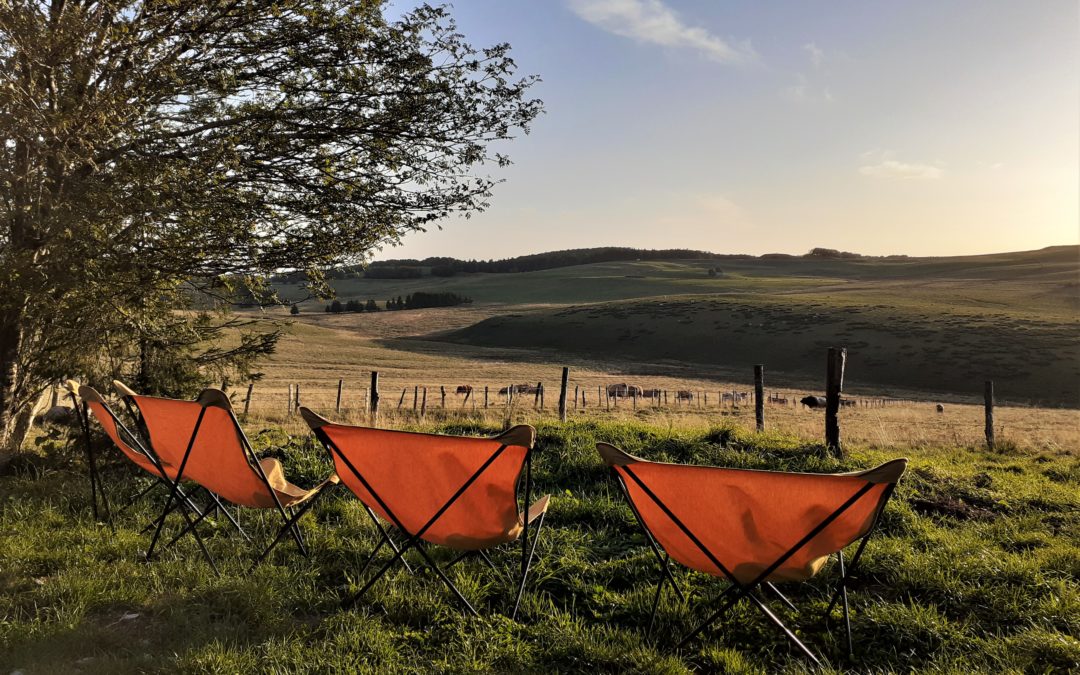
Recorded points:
(289,526)
(484,557)
(446,580)
(783,598)
(655,605)
(847,615)
(198,539)
(382,570)
(386,537)
(142,493)
(528,563)
(188,528)
(787,632)
(736,590)
(224,509)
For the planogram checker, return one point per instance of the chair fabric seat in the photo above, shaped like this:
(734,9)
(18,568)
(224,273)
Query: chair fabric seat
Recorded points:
(748,519)
(414,475)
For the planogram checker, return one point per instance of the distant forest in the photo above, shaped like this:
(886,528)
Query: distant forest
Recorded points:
(411,268)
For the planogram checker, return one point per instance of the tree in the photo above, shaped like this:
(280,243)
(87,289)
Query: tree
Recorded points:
(294,310)
(160,156)
(336,307)
(371,306)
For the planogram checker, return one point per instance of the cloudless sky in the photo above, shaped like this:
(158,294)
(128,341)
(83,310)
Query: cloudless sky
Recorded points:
(935,127)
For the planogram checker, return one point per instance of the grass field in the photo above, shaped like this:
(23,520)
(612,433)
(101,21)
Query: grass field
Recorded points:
(913,327)
(976,569)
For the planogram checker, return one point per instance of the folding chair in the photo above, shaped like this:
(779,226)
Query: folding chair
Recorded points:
(127,396)
(204,441)
(129,444)
(451,491)
(753,528)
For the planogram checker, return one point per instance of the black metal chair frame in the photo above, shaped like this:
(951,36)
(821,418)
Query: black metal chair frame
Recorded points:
(737,590)
(185,504)
(414,539)
(288,516)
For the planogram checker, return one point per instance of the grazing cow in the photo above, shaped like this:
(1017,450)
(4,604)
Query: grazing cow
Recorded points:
(464,389)
(651,393)
(847,403)
(684,395)
(623,390)
(813,401)
(940,408)
(519,389)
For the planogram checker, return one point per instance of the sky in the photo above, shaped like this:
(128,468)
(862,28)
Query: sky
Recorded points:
(931,127)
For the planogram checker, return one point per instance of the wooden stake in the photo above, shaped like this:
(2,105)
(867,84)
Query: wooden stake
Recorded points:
(374,396)
(337,406)
(247,399)
(759,396)
(988,405)
(562,393)
(834,386)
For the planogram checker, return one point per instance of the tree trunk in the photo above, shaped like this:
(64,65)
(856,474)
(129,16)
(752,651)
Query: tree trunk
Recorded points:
(12,430)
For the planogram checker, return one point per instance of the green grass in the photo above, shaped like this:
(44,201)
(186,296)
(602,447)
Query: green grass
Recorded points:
(892,343)
(976,569)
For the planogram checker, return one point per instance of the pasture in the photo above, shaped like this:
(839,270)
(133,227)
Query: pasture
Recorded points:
(975,569)
(913,327)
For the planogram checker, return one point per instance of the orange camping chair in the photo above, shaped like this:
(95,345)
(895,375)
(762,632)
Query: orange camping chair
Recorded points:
(204,441)
(452,491)
(129,445)
(752,527)
(126,394)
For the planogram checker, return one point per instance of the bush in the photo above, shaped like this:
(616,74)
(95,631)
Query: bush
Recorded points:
(294,309)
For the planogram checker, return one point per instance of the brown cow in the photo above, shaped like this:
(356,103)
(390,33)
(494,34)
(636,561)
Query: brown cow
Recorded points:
(651,393)
(684,395)
(464,389)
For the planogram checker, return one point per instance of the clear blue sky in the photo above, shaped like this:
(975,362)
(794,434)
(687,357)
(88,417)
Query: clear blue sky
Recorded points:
(927,128)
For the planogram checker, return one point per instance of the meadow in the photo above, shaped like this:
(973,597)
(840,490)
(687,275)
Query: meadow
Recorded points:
(915,328)
(976,568)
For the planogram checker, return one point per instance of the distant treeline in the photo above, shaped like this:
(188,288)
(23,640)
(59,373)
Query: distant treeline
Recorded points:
(546,261)
(411,268)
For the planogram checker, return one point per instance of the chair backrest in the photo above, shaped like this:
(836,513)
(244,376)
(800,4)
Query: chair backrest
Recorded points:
(115,429)
(408,477)
(219,459)
(749,519)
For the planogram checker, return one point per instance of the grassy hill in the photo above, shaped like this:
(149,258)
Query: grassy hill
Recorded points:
(932,324)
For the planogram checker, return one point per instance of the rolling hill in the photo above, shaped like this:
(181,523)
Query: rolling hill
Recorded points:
(930,324)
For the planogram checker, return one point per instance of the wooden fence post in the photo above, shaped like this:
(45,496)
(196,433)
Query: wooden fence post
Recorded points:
(542,392)
(337,405)
(759,396)
(576,387)
(442,394)
(296,404)
(289,400)
(415,396)
(485,397)
(834,386)
(247,399)
(988,405)
(423,404)
(374,395)
(401,401)
(536,396)
(562,393)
